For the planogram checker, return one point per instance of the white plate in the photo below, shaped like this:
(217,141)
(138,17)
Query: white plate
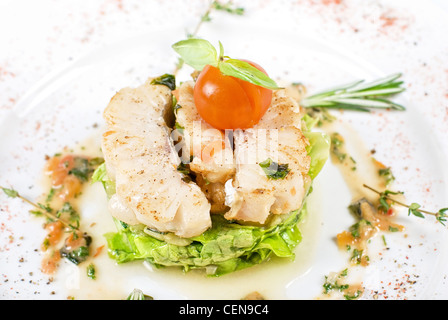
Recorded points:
(65,109)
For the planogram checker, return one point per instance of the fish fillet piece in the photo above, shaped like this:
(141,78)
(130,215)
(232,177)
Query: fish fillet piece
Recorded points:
(140,157)
(252,195)
(284,111)
(211,148)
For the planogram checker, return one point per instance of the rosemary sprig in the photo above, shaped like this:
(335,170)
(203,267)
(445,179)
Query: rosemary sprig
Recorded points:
(44,209)
(413,208)
(359,95)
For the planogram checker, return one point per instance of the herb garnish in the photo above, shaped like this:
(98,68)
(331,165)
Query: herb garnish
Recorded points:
(347,290)
(337,143)
(198,53)
(215,5)
(359,96)
(76,255)
(79,254)
(334,285)
(183,168)
(274,170)
(386,173)
(41,208)
(167,80)
(414,209)
(83,167)
(91,271)
(227,7)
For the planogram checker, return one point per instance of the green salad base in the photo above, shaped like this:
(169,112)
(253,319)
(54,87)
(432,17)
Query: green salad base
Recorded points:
(226,247)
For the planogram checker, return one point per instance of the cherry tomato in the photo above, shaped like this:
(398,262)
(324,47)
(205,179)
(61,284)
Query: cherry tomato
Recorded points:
(226,102)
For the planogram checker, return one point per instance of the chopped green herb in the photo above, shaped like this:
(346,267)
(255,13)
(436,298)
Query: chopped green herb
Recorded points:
(96,161)
(355,229)
(274,170)
(183,168)
(37,213)
(385,201)
(357,256)
(50,195)
(91,272)
(386,173)
(393,229)
(76,256)
(354,296)
(337,144)
(167,80)
(81,169)
(46,208)
(334,285)
(84,167)
(328,286)
(68,209)
(356,207)
(79,254)
(176,108)
(123,224)
(321,116)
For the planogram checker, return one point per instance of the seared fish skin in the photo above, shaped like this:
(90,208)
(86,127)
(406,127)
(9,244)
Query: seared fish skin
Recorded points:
(140,157)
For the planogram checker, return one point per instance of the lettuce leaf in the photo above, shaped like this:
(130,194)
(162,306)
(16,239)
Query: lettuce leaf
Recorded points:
(100,175)
(319,151)
(224,248)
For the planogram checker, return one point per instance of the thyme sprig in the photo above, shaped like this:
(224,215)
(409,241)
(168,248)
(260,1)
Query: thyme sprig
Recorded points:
(41,208)
(359,95)
(413,208)
(205,17)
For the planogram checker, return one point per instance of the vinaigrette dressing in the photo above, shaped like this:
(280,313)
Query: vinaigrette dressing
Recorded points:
(358,168)
(269,279)
(113,281)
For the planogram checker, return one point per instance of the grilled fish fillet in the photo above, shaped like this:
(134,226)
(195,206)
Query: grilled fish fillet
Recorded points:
(140,157)
(211,149)
(254,196)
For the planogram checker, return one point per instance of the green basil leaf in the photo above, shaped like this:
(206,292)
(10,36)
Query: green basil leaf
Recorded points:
(197,53)
(244,71)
